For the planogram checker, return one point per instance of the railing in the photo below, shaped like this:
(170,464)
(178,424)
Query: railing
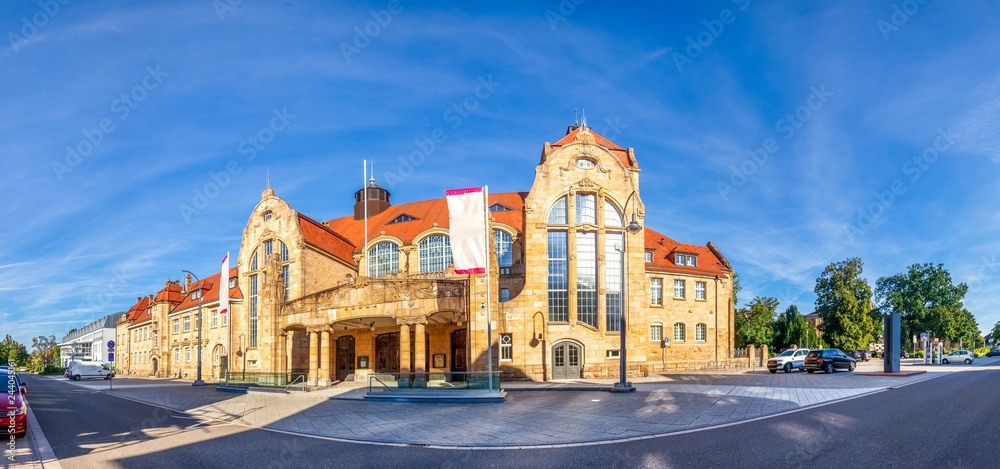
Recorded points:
(301,378)
(433,381)
(256,378)
(739,353)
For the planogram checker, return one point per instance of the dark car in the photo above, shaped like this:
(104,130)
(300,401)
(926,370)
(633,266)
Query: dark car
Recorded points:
(14,418)
(828,360)
(903,354)
(866,355)
(855,354)
(993,353)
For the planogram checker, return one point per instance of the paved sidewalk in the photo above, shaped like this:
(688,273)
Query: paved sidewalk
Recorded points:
(662,404)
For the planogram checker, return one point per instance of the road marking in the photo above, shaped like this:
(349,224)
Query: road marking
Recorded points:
(43,451)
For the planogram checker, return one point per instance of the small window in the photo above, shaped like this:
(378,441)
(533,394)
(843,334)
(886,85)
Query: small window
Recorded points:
(585,163)
(656,291)
(196,294)
(225,318)
(232,283)
(678,289)
(656,333)
(267,215)
(215,318)
(614,354)
(497,207)
(691,261)
(506,347)
(177,355)
(679,259)
(177,326)
(252,363)
(187,354)
(699,290)
(504,295)
(679,332)
(187,323)
(402,218)
(699,332)
(649,256)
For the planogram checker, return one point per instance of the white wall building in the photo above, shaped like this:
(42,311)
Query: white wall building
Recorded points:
(90,343)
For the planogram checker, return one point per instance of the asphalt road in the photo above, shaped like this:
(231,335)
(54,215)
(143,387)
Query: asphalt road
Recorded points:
(944,422)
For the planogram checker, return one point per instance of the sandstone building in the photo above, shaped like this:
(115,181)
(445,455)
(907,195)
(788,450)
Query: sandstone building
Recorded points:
(329,301)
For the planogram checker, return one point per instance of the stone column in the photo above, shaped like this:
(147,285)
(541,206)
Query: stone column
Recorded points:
(404,355)
(283,353)
(324,362)
(419,356)
(313,355)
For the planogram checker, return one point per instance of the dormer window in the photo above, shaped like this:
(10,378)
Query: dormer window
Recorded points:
(232,282)
(686,259)
(196,294)
(267,215)
(649,256)
(497,207)
(402,218)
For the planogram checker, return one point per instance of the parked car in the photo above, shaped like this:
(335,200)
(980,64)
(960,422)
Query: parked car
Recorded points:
(794,358)
(81,370)
(13,405)
(903,354)
(993,353)
(828,360)
(855,354)
(866,355)
(958,356)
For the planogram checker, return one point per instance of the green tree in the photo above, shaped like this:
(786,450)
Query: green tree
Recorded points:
(914,294)
(42,349)
(996,333)
(756,324)
(18,355)
(736,288)
(844,302)
(790,329)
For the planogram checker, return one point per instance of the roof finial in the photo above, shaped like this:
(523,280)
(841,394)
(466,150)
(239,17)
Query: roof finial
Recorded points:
(584,125)
(268,178)
(372,180)
(576,117)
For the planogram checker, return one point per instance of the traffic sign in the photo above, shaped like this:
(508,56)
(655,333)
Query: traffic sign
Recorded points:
(111,344)
(666,340)
(923,336)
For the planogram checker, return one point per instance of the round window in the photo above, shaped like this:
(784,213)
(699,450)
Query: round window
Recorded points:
(585,163)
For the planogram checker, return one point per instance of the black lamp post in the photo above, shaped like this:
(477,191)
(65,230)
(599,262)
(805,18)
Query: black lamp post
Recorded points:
(632,228)
(197,323)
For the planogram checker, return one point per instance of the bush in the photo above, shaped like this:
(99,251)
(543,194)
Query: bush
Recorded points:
(51,370)
(919,354)
(981,351)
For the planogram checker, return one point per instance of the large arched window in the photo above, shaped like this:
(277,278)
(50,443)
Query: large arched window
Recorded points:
(502,243)
(588,243)
(435,253)
(383,259)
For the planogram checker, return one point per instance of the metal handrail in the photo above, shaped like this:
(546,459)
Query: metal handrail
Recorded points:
(371,377)
(303,378)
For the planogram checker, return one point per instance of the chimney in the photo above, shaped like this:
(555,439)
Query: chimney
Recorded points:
(187,283)
(138,299)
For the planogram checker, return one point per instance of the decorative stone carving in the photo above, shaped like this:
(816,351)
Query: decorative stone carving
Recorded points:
(587,184)
(412,320)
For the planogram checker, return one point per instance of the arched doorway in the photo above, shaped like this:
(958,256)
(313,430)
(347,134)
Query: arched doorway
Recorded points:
(345,357)
(566,360)
(387,353)
(459,359)
(155,366)
(217,352)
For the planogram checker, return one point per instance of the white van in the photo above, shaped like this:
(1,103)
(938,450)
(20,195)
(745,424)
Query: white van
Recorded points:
(81,370)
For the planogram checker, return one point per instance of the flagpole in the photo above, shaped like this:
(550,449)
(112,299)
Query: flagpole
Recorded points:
(364,200)
(489,293)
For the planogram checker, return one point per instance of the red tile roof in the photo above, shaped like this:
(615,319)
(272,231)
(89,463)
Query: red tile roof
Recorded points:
(619,152)
(427,213)
(319,235)
(133,312)
(171,293)
(210,285)
(665,248)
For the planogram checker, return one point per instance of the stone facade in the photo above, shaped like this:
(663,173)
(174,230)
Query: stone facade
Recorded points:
(350,297)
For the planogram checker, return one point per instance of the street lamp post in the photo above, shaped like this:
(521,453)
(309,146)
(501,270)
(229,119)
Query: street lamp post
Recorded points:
(633,228)
(197,323)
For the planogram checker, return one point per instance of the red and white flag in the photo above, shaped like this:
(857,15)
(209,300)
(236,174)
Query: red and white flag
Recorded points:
(467,217)
(224,286)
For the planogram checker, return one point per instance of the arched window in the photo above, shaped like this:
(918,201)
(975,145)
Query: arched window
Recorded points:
(679,332)
(502,243)
(383,259)
(557,215)
(586,278)
(253,261)
(435,253)
(699,332)
(284,251)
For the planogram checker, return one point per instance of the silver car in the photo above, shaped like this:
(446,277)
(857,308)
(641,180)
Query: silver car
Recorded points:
(793,358)
(958,356)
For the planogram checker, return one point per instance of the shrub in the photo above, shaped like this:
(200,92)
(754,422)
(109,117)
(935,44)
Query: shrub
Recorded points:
(51,370)
(919,354)
(981,351)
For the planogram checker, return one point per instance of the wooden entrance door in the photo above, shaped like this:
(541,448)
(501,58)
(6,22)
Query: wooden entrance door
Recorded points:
(459,361)
(566,361)
(387,353)
(345,357)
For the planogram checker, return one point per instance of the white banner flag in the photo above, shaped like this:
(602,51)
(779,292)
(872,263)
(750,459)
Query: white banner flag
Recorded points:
(224,286)
(467,217)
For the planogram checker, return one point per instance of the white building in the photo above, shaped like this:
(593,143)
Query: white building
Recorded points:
(90,343)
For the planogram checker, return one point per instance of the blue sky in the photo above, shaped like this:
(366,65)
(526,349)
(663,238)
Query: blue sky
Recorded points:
(158,101)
